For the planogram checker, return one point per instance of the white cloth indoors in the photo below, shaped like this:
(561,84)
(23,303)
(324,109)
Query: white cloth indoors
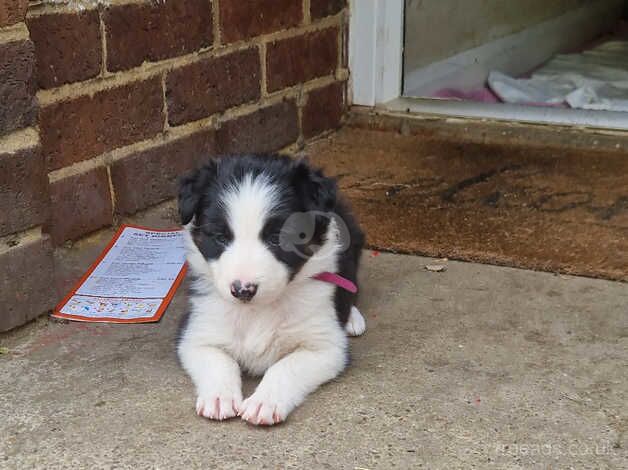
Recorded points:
(594,79)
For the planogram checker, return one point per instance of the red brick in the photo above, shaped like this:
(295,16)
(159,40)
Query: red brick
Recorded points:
(84,127)
(301,58)
(18,105)
(243,19)
(322,8)
(324,110)
(23,190)
(149,177)
(154,31)
(12,11)
(210,86)
(80,204)
(26,282)
(266,130)
(68,47)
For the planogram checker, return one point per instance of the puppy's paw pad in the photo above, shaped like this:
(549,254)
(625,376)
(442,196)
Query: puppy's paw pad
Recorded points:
(356,325)
(217,407)
(262,412)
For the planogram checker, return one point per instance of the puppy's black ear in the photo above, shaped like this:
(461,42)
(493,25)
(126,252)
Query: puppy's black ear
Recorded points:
(191,188)
(312,186)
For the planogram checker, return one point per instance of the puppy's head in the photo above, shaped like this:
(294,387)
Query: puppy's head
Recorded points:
(254,221)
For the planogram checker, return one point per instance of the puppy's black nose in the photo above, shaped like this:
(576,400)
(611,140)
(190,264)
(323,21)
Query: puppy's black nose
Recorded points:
(244,292)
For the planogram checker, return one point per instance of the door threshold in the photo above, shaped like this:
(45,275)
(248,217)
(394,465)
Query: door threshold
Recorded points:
(613,120)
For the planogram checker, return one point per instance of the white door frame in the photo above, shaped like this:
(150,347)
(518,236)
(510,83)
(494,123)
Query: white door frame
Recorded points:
(376,50)
(376,76)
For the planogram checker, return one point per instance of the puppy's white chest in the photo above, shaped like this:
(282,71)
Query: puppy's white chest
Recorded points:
(259,343)
(259,336)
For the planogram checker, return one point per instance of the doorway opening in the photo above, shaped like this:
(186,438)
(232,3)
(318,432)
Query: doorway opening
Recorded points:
(547,61)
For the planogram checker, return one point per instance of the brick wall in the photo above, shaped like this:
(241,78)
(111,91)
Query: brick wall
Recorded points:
(25,252)
(134,92)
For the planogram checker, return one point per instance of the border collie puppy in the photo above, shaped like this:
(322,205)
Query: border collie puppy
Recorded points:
(273,253)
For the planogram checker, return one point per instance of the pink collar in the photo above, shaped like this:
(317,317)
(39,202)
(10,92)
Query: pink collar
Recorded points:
(337,279)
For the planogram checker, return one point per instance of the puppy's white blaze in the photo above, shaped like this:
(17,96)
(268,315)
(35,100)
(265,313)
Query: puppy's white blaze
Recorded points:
(248,206)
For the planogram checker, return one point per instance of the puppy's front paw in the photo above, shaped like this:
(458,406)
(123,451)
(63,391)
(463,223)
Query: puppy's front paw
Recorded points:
(263,411)
(218,406)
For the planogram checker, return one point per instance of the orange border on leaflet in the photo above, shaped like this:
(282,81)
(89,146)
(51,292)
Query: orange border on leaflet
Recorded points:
(160,311)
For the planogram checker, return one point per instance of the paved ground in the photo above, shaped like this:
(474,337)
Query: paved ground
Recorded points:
(478,366)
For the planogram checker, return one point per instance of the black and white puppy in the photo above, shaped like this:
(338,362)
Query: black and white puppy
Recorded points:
(273,253)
